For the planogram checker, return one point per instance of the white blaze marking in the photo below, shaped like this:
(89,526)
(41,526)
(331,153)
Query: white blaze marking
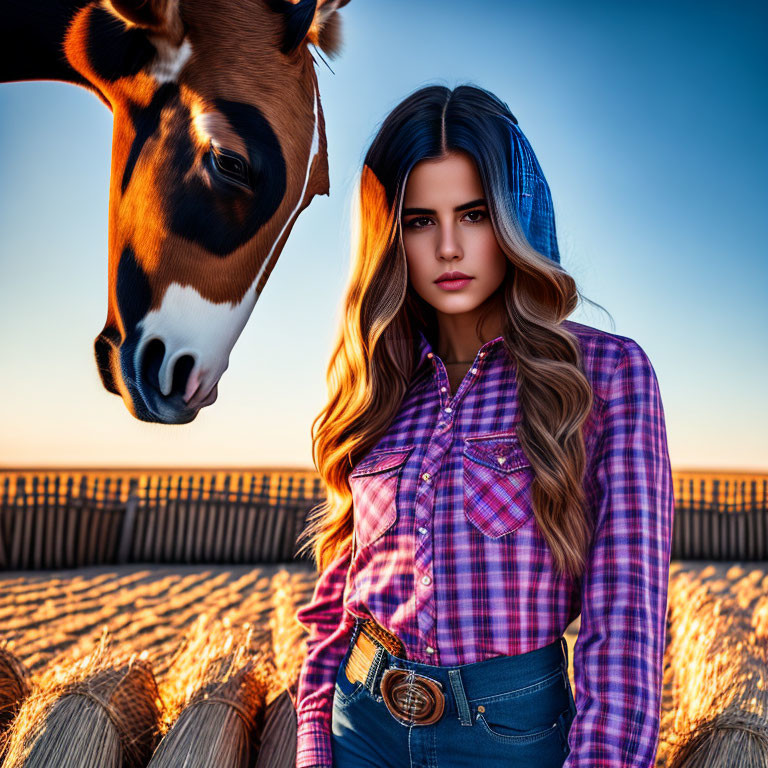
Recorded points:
(189,324)
(170,59)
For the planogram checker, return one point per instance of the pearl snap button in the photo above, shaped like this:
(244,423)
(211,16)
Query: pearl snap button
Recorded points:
(426,580)
(426,477)
(448,409)
(422,529)
(429,649)
(474,370)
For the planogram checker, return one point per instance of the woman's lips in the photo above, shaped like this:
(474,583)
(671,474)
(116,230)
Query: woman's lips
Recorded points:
(454,285)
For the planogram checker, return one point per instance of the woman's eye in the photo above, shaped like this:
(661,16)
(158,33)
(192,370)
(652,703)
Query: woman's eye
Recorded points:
(419,222)
(479,214)
(231,167)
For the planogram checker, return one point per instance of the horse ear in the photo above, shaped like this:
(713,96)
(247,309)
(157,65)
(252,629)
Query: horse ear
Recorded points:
(160,17)
(313,20)
(298,19)
(326,32)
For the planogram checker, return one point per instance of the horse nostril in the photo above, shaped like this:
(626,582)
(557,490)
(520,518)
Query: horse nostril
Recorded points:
(151,361)
(152,365)
(181,373)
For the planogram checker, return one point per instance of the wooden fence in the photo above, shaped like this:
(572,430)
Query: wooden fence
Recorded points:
(64,519)
(720,517)
(68,521)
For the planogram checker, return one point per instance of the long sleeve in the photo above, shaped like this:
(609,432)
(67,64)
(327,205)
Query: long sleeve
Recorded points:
(330,629)
(618,655)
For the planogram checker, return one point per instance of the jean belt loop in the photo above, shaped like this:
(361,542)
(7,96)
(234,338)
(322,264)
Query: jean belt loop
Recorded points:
(462,705)
(373,671)
(351,641)
(564,662)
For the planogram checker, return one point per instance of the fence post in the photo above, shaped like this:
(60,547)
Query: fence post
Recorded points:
(129,524)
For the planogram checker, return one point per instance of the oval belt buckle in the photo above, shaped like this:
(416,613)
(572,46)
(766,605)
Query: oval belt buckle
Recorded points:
(417,702)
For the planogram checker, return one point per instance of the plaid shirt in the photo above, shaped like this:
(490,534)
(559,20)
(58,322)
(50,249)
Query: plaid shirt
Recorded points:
(449,557)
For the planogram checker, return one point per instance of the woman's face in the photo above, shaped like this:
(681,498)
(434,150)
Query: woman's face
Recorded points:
(447,228)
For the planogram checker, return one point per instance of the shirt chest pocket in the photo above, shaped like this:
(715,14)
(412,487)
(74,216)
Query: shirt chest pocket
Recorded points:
(375,483)
(497,478)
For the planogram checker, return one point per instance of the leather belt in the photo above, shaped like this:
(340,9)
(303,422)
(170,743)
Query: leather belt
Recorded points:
(411,698)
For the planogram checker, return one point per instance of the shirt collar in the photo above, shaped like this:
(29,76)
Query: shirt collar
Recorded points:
(425,347)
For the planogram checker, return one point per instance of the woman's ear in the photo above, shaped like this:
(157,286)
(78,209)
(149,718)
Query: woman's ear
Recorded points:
(159,17)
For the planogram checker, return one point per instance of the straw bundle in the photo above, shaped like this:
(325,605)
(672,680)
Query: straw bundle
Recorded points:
(278,738)
(14,688)
(220,688)
(217,727)
(726,740)
(719,669)
(92,714)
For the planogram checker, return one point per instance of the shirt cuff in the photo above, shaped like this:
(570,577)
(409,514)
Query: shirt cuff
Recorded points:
(313,745)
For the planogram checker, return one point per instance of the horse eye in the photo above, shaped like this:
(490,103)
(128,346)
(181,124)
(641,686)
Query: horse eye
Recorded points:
(232,167)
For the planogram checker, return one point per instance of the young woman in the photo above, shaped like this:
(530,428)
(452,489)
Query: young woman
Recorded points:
(493,470)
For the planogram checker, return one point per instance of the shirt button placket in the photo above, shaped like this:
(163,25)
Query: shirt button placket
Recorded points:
(425,580)
(425,611)
(423,562)
(423,552)
(437,447)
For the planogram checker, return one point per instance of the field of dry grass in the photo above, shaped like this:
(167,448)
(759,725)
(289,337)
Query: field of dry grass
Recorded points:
(51,619)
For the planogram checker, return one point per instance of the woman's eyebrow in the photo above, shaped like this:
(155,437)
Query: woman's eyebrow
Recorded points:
(462,207)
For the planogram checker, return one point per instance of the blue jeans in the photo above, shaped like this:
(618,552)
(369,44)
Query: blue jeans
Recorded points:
(505,711)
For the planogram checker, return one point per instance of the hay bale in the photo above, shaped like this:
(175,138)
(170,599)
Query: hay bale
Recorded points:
(217,685)
(727,739)
(718,669)
(277,748)
(14,688)
(217,726)
(96,715)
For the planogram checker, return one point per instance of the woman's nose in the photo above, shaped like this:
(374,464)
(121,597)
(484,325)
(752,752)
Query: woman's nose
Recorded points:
(449,246)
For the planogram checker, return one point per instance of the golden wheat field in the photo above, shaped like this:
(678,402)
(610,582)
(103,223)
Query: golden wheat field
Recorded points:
(52,618)
(172,615)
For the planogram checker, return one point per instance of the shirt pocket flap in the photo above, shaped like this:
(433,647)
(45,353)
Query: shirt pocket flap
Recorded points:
(497,479)
(381,461)
(500,452)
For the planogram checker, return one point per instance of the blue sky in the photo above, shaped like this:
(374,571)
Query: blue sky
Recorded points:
(648,120)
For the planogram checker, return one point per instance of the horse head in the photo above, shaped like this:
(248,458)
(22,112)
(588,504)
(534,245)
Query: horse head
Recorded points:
(218,144)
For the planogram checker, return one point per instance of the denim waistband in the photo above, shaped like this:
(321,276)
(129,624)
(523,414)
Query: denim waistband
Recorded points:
(499,674)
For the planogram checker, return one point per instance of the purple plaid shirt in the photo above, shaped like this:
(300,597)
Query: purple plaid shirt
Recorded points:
(450,559)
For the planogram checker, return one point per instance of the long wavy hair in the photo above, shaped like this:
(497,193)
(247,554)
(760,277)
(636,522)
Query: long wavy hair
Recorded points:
(374,355)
